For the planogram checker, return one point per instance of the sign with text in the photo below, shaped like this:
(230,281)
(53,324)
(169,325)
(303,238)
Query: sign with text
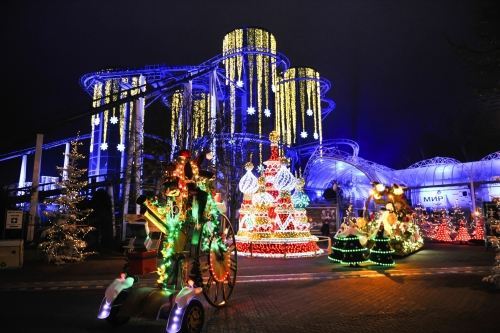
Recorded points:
(14,219)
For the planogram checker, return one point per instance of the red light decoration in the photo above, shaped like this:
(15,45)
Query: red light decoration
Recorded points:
(443,233)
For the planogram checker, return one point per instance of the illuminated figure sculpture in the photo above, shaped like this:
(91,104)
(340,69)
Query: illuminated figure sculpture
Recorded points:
(381,253)
(396,217)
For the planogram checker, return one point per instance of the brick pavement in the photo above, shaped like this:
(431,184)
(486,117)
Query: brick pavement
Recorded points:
(437,289)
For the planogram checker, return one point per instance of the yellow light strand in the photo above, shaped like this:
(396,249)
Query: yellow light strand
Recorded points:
(95,103)
(239,46)
(122,114)
(302,88)
(107,93)
(320,120)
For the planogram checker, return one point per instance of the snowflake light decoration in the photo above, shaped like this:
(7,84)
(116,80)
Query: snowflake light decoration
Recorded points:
(267,113)
(97,121)
(316,136)
(251,110)
(121,147)
(260,168)
(104,146)
(303,134)
(231,142)
(309,112)
(113,120)
(239,84)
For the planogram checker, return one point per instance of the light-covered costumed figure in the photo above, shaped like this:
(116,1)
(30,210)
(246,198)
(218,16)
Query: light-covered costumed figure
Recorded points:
(353,251)
(275,224)
(338,244)
(381,253)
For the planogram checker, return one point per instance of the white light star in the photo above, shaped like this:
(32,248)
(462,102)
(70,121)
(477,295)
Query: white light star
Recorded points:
(104,146)
(267,113)
(121,147)
(316,136)
(303,134)
(113,120)
(309,112)
(260,168)
(97,121)
(239,83)
(251,110)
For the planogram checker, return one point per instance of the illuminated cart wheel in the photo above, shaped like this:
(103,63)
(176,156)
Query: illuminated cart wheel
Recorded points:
(222,264)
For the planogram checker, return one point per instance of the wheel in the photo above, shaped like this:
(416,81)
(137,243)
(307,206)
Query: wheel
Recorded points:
(114,319)
(221,267)
(193,319)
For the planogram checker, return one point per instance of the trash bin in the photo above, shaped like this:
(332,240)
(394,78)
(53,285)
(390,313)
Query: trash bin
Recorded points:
(11,253)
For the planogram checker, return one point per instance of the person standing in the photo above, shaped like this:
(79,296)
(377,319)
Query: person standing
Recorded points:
(325,228)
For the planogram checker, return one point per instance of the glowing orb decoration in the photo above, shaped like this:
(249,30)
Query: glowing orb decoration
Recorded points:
(398,190)
(251,110)
(380,187)
(309,112)
(113,120)
(267,113)
(316,136)
(104,146)
(303,134)
(121,147)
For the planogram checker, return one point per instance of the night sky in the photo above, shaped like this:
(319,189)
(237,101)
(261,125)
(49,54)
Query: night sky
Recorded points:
(395,77)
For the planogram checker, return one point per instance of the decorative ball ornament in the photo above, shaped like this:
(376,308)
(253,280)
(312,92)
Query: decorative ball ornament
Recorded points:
(284,179)
(274,137)
(248,183)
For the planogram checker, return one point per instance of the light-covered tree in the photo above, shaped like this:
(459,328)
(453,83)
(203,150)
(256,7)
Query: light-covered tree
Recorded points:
(64,240)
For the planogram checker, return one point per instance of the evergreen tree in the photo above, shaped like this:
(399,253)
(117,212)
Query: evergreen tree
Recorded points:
(64,239)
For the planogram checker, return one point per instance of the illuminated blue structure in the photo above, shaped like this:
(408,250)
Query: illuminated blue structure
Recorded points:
(227,105)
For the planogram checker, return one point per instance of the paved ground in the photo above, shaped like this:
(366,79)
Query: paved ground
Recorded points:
(437,289)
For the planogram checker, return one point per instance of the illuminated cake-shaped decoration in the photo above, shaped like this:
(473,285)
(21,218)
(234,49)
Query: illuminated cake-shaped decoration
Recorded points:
(279,230)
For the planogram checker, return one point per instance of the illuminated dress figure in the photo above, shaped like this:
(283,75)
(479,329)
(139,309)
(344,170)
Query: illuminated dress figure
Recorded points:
(276,223)
(353,250)
(381,253)
(338,245)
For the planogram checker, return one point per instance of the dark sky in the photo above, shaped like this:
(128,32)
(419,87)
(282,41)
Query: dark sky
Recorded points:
(392,69)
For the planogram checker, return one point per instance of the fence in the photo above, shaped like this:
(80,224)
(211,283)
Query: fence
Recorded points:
(103,235)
